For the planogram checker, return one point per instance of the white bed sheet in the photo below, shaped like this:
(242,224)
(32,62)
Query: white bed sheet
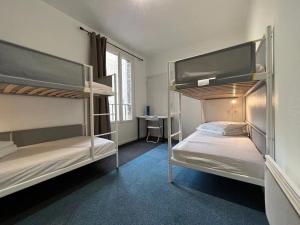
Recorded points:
(35,160)
(237,155)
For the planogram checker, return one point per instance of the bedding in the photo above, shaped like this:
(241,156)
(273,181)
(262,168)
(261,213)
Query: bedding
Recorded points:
(236,155)
(237,132)
(39,159)
(226,128)
(6,148)
(260,68)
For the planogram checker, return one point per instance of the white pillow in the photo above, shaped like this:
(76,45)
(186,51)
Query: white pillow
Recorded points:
(6,148)
(226,128)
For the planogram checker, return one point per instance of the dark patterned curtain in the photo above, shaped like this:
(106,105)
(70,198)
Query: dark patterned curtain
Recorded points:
(98,61)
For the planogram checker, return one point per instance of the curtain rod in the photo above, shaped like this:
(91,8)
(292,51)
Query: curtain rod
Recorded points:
(81,28)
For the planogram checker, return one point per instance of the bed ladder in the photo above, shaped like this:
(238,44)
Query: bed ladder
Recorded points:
(92,115)
(170,116)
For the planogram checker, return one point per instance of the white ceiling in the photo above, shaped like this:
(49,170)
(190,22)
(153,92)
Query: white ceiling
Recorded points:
(152,26)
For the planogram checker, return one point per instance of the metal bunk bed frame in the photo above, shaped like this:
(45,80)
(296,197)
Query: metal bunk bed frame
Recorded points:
(266,77)
(88,129)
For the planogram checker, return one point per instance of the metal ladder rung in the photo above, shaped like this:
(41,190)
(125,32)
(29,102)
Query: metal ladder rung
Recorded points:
(103,114)
(99,135)
(175,134)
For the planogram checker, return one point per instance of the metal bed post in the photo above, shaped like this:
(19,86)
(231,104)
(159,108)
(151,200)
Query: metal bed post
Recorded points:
(269,70)
(203,117)
(90,72)
(85,104)
(116,121)
(179,118)
(170,175)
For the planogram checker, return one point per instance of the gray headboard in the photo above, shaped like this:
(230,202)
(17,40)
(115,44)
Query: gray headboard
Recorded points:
(35,136)
(256,117)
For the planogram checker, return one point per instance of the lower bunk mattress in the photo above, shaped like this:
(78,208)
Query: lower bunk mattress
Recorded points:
(32,161)
(236,155)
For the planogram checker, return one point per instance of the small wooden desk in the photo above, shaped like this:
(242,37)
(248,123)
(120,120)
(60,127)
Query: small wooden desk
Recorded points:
(163,118)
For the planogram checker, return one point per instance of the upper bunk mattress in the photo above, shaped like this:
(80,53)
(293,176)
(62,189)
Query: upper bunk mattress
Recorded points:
(236,155)
(33,161)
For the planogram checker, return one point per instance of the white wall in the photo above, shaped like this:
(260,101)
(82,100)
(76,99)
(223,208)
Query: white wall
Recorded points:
(157,77)
(284,15)
(261,14)
(35,24)
(224,110)
(287,70)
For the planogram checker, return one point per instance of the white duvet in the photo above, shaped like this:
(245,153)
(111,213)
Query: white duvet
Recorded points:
(35,160)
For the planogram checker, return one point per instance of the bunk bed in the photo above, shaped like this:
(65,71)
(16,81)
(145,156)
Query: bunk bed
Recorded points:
(234,72)
(48,152)
(25,71)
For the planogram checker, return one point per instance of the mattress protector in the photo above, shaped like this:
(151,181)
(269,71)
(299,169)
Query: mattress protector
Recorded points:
(237,155)
(32,161)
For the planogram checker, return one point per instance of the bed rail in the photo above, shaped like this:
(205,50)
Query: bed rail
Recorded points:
(255,128)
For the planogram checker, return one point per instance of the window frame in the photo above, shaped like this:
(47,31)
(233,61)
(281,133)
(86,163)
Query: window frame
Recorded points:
(121,56)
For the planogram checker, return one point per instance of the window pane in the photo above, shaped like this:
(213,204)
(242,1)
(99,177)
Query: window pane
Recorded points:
(126,90)
(112,68)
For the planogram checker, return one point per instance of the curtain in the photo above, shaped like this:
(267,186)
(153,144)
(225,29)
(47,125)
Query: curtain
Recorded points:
(98,61)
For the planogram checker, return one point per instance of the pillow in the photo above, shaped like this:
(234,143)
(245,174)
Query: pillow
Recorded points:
(6,148)
(224,128)
(233,133)
(4,144)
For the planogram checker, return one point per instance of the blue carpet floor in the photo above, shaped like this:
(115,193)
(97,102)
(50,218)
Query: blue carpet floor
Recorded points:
(138,194)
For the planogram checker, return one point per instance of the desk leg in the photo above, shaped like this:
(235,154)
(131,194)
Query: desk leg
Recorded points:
(163,129)
(138,128)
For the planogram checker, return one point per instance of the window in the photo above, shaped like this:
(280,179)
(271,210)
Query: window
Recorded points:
(126,90)
(122,67)
(112,68)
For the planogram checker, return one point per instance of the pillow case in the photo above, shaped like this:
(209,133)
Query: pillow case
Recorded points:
(226,128)
(6,148)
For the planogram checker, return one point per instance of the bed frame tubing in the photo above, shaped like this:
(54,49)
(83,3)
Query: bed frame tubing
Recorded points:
(265,77)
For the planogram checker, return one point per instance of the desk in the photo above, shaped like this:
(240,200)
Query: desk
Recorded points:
(163,118)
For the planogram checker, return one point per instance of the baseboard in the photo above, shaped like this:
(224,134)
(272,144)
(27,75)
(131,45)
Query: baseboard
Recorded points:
(288,187)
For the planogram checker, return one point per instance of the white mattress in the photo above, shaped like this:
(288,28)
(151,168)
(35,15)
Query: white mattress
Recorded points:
(39,159)
(237,155)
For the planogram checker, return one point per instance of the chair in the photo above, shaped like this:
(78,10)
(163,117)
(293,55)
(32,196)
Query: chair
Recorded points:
(153,123)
